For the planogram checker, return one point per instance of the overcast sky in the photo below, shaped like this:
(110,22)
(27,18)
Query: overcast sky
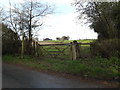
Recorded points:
(62,23)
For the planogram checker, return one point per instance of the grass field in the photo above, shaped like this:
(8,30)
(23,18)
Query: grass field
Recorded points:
(68,41)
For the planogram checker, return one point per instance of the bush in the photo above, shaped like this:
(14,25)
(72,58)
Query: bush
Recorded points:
(106,48)
(10,41)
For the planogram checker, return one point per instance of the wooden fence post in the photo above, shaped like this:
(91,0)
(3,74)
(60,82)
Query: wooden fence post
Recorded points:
(22,49)
(33,45)
(75,50)
(36,49)
(71,50)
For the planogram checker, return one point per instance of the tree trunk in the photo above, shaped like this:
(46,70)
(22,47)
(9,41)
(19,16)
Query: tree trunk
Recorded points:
(30,32)
(22,50)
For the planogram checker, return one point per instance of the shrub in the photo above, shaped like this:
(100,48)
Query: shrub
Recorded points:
(10,41)
(106,48)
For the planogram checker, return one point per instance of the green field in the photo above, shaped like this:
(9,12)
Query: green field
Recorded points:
(68,41)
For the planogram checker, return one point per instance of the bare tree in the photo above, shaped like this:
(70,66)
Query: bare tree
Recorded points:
(3,17)
(27,16)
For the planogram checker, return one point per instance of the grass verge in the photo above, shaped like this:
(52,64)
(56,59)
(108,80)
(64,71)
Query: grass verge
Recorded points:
(99,68)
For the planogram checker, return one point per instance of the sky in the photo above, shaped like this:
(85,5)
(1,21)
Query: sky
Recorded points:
(62,22)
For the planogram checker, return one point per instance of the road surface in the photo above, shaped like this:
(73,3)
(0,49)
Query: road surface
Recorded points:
(19,77)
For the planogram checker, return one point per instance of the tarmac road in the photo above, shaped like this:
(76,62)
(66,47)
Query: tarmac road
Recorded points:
(19,77)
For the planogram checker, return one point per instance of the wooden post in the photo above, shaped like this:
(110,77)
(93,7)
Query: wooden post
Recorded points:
(71,51)
(78,50)
(22,48)
(33,43)
(75,50)
(36,49)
